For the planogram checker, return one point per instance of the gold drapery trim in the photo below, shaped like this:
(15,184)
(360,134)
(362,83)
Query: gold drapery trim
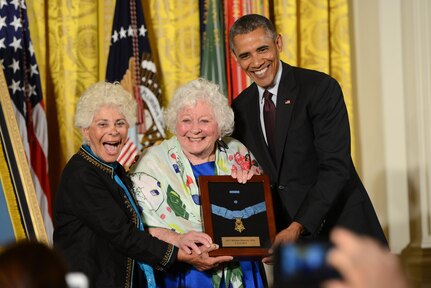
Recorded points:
(19,156)
(9,195)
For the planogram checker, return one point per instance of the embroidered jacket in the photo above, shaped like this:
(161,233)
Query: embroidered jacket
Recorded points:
(96,226)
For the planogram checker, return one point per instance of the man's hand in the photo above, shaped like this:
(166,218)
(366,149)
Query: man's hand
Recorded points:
(203,261)
(290,234)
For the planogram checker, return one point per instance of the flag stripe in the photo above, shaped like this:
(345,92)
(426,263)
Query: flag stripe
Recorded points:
(40,127)
(128,153)
(39,166)
(44,204)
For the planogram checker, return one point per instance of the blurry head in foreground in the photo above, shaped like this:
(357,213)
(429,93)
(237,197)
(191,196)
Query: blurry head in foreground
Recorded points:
(29,264)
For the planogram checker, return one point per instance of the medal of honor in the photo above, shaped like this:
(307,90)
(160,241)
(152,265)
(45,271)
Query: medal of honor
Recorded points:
(239,226)
(238,215)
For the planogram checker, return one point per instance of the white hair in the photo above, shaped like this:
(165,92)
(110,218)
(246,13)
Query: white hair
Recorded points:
(201,90)
(104,94)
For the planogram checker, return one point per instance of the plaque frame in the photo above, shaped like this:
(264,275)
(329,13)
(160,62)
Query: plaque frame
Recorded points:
(260,187)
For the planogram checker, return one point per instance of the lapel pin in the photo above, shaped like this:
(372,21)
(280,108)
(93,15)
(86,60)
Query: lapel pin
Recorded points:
(287,102)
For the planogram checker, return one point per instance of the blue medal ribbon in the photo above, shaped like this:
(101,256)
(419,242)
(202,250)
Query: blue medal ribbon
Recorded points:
(238,214)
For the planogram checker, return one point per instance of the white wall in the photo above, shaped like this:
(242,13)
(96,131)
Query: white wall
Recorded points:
(380,96)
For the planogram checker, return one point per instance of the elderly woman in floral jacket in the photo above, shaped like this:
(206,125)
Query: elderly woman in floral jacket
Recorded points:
(166,186)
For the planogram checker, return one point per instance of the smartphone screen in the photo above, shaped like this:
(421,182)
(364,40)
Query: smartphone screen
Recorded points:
(302,265)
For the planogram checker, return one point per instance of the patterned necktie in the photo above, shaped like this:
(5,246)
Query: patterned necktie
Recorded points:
(269,118)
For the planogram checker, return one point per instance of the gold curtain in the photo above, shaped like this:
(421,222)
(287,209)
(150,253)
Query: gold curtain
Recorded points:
(316,36)
(176,28)
(71,41)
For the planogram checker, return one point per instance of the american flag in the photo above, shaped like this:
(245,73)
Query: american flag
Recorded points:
(19,65)
(130,62)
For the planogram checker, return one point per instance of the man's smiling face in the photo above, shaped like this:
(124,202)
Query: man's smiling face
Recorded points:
(257,53)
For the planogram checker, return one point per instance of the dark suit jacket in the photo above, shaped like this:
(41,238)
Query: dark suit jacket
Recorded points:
(313,177)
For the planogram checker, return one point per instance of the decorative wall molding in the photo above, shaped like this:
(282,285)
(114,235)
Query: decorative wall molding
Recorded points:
(417,79)
(416,19)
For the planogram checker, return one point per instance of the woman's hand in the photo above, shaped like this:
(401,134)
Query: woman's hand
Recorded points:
(242,175)
(187,242)
(203,261)
(193,241)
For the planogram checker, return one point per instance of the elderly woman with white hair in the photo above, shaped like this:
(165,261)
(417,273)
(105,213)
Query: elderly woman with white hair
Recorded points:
(99,228)
(165,182)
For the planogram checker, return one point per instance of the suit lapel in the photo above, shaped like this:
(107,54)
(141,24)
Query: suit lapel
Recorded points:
(286,97)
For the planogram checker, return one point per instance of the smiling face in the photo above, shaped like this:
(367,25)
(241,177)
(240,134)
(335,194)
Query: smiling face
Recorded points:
(257,53)
(197,131)
(107,133)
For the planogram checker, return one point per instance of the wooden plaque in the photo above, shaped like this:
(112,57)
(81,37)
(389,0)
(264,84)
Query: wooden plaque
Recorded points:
(238,217)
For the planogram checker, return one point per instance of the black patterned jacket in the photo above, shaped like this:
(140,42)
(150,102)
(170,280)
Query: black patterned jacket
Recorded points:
(95,225)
